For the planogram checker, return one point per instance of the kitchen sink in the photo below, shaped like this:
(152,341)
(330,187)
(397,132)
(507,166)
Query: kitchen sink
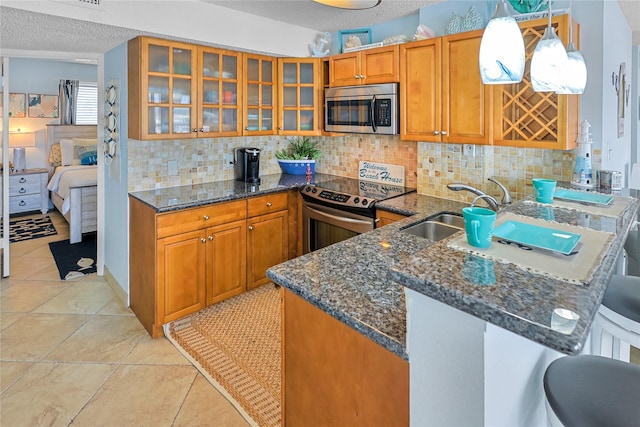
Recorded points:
(449,219)
(432,230)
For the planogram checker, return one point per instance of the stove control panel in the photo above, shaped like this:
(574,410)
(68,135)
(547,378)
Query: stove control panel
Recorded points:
(337,198)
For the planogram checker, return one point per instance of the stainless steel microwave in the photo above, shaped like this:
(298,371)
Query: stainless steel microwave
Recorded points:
(362,109)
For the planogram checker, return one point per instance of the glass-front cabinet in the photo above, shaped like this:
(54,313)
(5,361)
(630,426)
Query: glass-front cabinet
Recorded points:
(300,86)
(162,89)
(260,94)
(219,89)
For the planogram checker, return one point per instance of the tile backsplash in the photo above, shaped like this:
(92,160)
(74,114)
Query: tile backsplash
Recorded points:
(428,166)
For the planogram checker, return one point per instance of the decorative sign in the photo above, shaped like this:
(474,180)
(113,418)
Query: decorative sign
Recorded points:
(381,172)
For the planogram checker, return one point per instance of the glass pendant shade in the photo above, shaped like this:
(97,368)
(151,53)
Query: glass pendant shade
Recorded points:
(549,62)
(501,49)
(575,74)
(350,4)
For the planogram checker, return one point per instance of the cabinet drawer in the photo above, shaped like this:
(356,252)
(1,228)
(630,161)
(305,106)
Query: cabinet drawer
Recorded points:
(266,204)
(172,223)
(24,189)
(23,180)
(30,202)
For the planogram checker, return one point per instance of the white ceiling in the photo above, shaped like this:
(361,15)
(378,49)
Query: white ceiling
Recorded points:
(26,30)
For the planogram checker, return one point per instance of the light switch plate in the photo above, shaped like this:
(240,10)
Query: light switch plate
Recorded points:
(469,150)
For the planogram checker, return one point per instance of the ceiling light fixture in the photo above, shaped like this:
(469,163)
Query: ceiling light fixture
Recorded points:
(350,4)
(501,49)
(575,74)
(549,61)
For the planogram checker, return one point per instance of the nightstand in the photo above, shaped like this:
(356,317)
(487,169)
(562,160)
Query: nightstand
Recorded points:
(28,191)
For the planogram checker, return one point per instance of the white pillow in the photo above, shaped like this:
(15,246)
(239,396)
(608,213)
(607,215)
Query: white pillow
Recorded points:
(79,142)
(67,151)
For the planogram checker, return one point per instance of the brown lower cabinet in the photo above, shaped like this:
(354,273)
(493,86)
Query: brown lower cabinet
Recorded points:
(385,218)
(183,261)
(335,376)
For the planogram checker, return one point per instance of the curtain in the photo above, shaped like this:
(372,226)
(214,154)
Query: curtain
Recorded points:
(67,100)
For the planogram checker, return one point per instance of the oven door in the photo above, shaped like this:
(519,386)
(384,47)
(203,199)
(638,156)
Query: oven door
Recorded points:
(323,226)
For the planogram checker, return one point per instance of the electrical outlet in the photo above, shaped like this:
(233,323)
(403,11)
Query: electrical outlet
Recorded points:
(228,160)
(469,150)
(173,167)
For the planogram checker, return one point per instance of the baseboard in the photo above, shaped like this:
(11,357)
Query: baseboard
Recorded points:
(117,289)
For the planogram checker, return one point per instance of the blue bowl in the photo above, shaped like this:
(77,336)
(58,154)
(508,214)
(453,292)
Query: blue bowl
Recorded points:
(298,167)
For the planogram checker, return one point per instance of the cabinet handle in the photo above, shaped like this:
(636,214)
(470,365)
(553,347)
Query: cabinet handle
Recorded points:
(22,190)
(362,76)
(22,203)
(201,130)
(268,204)
(250,227)
(206,217)
(22,180)
(436,132)
(444,132)
(203,240)
(210,238)
(194,130)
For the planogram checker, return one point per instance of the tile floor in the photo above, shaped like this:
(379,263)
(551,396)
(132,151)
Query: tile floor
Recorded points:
(72,353)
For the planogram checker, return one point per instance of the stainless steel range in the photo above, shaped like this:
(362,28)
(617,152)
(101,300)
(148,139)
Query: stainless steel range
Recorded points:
(341,208)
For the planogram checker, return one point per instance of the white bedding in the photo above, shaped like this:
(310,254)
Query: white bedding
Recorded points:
(67,177)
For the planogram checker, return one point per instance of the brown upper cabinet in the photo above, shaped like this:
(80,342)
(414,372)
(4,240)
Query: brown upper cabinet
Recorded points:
(300,96)
(524,118)
(260,73)
(442,95)
(370,66)
(181,90)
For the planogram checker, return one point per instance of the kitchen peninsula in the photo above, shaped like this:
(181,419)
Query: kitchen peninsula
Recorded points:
(476,351)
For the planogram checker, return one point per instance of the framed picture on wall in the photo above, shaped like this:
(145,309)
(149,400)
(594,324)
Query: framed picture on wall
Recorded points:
(17,105)
(354,38)
(43,106)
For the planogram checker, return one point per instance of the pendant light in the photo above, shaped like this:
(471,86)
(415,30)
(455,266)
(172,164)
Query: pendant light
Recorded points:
(549,61)
(575,74)
(350,4)
(501,49)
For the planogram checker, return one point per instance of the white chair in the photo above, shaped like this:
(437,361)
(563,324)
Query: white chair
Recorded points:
(592,391)
(616,326)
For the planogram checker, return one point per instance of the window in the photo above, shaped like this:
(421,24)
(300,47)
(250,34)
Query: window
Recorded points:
(87,104)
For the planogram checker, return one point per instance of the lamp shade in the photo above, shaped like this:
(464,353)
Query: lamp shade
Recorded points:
(549,62)
(22,139)
(501,49)
(575,73)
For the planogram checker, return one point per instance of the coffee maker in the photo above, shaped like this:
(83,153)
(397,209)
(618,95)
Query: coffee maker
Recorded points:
(247,164)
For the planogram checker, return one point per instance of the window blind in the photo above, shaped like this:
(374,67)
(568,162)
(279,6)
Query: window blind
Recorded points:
(87,104)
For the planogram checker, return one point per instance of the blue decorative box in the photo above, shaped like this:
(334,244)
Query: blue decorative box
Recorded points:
(298,167)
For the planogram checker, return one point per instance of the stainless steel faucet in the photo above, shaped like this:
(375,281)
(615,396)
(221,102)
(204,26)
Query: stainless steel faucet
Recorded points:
(506,196)
(493,204)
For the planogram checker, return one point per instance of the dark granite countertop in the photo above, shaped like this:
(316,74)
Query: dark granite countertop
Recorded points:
(361,281)
(188,196)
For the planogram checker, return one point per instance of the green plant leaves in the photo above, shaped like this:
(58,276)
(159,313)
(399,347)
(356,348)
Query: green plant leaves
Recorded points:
(300,148)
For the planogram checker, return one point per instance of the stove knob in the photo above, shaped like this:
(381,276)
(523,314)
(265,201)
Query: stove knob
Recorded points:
(365,202)
(314,190)
(356,200)
(307,189)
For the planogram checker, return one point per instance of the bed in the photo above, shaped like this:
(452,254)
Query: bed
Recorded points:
(73,185)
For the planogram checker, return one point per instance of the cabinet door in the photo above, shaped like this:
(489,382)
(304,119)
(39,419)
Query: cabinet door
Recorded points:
(181,275)
(267,246)
(385,218)
(420,112)
(162,89)
(524,118)
(344,69)
(220,92)
(260,94)
(466,107)
(299,100)
(380,65)
(226,261)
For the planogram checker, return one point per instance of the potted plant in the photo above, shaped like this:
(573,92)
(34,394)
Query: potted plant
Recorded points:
(299,158)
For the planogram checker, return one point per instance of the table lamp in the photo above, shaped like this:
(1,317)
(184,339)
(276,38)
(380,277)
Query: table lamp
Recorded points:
(18,141)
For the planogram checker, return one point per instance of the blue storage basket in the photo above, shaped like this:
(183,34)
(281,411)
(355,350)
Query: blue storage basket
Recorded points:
(297,167)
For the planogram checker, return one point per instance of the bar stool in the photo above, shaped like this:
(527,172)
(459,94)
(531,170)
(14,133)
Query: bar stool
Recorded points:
(617,324)
(593,391)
